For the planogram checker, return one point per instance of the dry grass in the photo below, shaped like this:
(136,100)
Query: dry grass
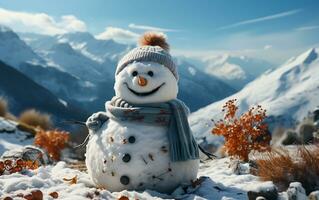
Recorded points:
(3,107)
(52,141)
(36,119)
(283,167)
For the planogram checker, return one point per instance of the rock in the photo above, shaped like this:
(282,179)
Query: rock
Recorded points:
(314,195)
(295,191)
(239,167)
(261,198)
(268,192)
(31,153)
(306,133)
(290,137)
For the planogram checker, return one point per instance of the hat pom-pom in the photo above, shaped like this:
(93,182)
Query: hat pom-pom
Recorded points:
(154,39)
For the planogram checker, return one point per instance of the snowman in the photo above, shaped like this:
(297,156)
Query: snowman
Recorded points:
(143,139)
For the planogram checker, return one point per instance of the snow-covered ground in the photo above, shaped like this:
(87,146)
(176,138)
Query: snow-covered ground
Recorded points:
(218,182)
(11,137)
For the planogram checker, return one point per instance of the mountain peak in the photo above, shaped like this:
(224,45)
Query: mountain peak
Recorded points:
(311,55)
(76,36)
(7,33)
(5,29)
(305,58)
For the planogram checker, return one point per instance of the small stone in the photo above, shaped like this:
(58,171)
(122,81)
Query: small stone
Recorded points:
(314,195)
(126,158)
(54,195)
(131,139)
(113,173)
(268,192)
(125,180)
(295,191)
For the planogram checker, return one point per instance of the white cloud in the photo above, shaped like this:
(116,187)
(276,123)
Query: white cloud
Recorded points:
(151,28)
(307,28)
(261,19)
(40,22)
(118,34)
(266,47)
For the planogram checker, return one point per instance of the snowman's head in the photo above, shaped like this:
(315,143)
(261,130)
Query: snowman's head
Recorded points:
(146,82)
(147,74)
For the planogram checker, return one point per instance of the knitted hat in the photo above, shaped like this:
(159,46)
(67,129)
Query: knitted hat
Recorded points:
(153,48)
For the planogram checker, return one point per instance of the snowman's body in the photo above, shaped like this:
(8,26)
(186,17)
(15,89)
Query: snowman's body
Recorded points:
(135,155)
(124,155)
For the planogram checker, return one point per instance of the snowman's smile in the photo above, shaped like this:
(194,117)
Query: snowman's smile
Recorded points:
(144,93)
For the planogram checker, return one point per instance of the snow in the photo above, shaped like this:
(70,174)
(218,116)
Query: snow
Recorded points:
(287,93)
(63,102)
(11,137)
(218,182)
(237,71)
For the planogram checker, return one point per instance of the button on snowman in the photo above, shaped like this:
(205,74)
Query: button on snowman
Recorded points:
(143,140)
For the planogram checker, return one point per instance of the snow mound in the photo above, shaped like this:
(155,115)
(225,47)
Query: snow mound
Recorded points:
(11,137)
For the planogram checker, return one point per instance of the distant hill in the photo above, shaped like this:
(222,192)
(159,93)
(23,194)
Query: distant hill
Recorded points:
(23,93)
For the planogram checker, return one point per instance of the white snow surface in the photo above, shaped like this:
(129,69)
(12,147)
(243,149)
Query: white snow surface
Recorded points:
(287,93)
(218,183)
(235,70)
(11,137)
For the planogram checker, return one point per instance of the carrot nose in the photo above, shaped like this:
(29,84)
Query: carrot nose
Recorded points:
(142,81)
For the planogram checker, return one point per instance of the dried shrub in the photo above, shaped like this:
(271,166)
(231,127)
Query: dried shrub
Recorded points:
(3,107)
(283,167)
(53,142)
(245,133)
(36,119)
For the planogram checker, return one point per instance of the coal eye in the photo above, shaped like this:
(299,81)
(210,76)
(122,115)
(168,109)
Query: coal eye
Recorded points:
(150,73)
(134,73)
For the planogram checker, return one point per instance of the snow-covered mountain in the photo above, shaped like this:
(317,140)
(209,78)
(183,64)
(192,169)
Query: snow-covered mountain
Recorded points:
(65,58)
(288,93)
(23,93)
(197,88)
(78,53)
(15,51)
(237,71)
(84,42)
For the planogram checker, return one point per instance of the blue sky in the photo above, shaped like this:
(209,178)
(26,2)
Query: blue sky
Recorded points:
(272,29)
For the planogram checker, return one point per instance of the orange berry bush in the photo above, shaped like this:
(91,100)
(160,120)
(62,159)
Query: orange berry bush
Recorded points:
(53,142)
(245,133)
